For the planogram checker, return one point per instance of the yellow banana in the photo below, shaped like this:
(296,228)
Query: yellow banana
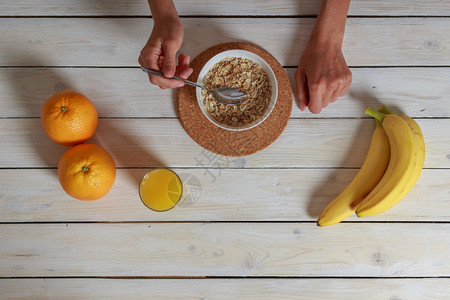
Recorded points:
(419,154)
(365,180)
(400,169)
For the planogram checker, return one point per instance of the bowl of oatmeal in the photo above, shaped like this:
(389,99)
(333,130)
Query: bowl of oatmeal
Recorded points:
(247,72)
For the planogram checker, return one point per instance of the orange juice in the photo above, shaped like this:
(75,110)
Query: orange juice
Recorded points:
(160,189)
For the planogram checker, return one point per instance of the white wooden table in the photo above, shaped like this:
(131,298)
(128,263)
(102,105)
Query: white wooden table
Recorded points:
(252,233)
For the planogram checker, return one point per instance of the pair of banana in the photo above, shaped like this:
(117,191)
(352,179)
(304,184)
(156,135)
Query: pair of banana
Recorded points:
(392,167)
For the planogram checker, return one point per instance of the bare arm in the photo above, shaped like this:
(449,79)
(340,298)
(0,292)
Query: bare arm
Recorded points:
(323,75)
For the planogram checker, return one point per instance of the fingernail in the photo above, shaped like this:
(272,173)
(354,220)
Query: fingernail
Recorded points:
(302,107)
(168,71)
(180,84)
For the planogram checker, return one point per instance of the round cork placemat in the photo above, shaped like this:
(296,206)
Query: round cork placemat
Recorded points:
(234,143)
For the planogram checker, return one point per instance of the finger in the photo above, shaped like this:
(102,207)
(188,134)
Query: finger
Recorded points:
(344,89)
(169,65)
(326,99)
(186,73)
(301,89)
(183,68)
(149,56)
(160,63)
(165,83)
(181,58)
(335,95)
(316,93)
(153,59)
(141,61)
(347,84)
(183,61)
(162,82)
(337,91)
(157,80)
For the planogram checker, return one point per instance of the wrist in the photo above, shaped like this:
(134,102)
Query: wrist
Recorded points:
(163,11)
(329,27)
(170,21)
(325,39)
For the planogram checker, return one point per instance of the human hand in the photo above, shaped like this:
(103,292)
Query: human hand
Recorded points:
(322,76)
(160,51)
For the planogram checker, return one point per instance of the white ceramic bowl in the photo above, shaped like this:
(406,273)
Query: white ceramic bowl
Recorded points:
(248,55)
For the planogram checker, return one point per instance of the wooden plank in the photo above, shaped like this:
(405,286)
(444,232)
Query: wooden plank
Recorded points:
(256,195)
(224,249)
(117,42)
(305,143)
(417,92)
(216,7)
(261,288)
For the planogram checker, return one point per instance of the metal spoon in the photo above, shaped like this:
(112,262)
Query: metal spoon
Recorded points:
(225,95)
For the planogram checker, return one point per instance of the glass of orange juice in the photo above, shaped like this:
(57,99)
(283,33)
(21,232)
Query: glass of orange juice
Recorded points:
(161,189)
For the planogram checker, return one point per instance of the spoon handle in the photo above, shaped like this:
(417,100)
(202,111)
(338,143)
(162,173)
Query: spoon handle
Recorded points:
(160,74)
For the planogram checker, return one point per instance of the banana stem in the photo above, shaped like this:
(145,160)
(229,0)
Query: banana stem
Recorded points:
(385,110)
(377,115)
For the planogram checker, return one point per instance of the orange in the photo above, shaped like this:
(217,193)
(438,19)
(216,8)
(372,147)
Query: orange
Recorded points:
(69,118)
(86,172)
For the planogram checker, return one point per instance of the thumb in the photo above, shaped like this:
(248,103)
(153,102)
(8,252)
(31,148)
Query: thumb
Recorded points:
(301,89)
(169,64)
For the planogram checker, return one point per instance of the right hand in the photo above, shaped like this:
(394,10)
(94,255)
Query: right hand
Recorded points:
(159,54)
(322,76)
